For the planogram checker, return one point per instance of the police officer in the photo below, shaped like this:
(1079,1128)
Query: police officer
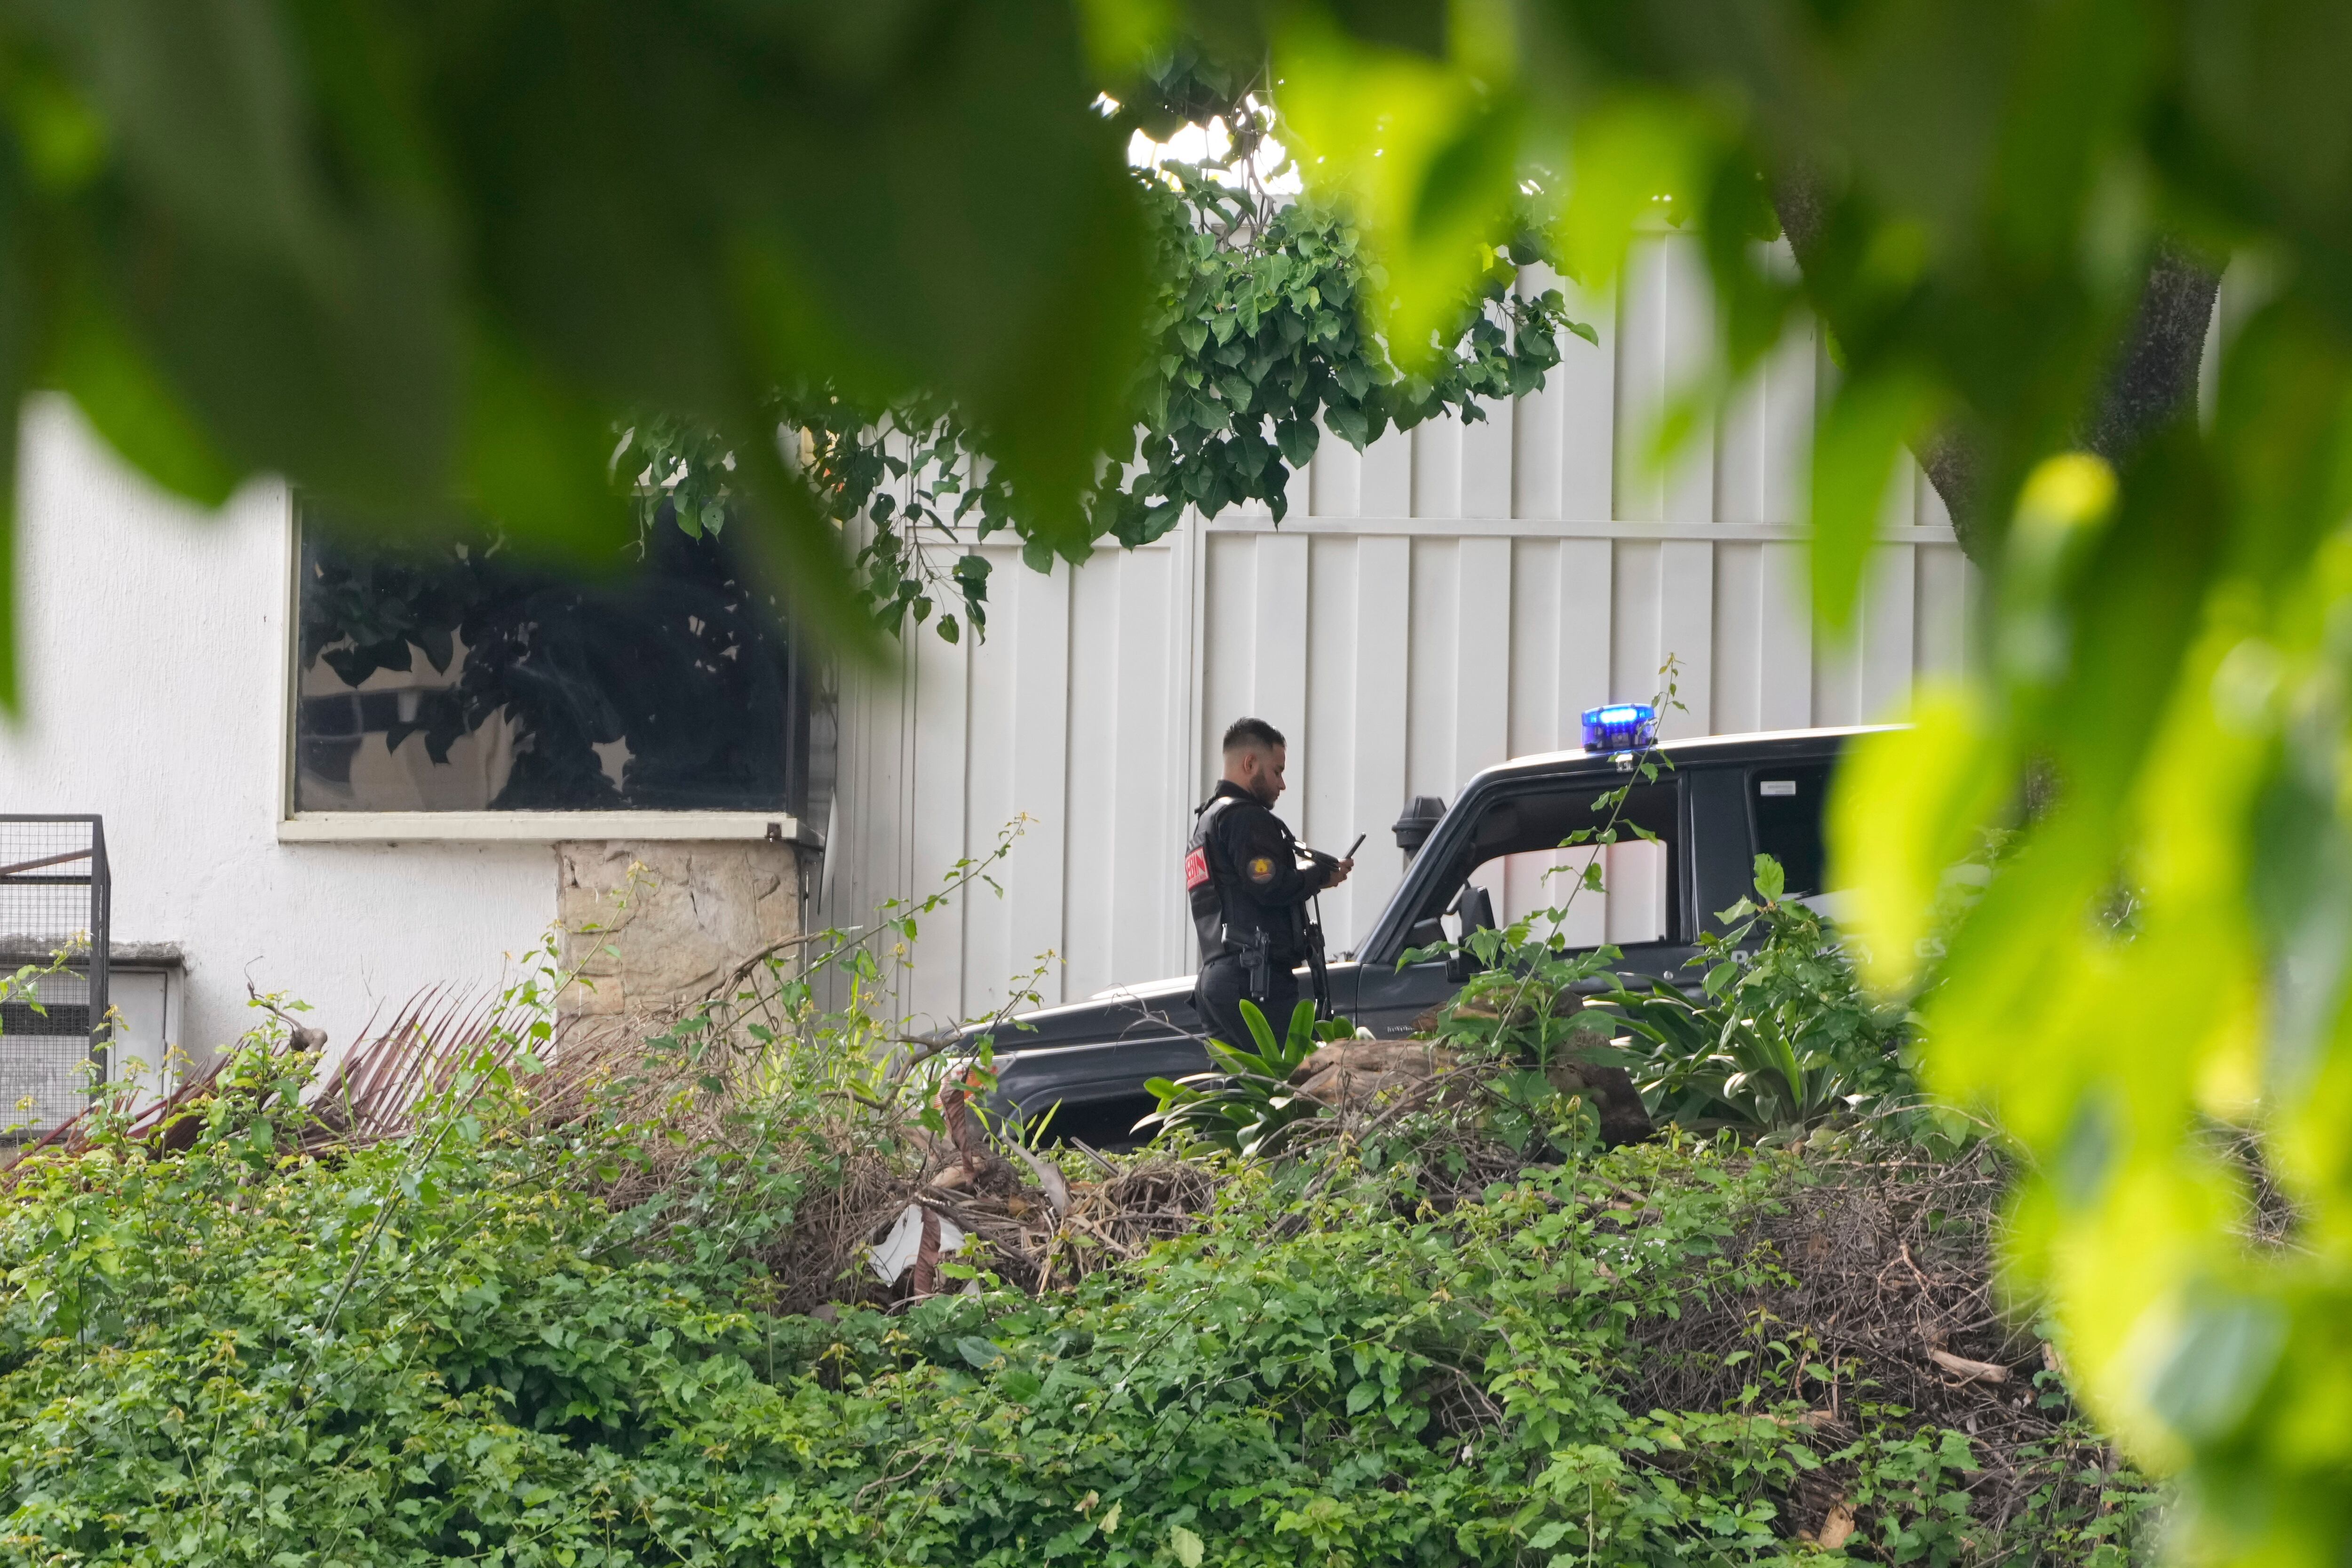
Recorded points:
(1248,889)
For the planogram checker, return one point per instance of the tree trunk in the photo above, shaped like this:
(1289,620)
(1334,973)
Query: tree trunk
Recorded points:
(2154,378)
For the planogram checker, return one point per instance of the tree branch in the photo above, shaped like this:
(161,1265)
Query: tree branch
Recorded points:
(2152,379)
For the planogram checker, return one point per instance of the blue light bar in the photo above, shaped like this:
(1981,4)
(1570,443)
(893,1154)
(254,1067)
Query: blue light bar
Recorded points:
(1621,727)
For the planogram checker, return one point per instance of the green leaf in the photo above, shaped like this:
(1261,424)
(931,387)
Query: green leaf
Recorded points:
(207,100)
(1904,808)
(2222,1358)
(1856,451)
(1637,155)
(119,390)
(15,314)
(1426,158)
(533,455)
(1186,1546)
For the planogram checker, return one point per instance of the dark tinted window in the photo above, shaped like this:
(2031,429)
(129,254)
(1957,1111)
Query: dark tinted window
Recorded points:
(456,679)
(1785,806)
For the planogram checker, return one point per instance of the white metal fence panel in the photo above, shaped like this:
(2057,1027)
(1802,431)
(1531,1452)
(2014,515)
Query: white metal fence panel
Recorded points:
(1446,599)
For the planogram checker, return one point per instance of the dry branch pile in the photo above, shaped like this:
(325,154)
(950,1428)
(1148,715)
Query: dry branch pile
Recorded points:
(1884,1283)
(1036,1235)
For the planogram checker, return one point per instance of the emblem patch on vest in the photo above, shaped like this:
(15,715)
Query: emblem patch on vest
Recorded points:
(1196,869)
(1262,869)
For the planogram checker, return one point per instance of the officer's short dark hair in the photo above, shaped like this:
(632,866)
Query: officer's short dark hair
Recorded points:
(1253,732)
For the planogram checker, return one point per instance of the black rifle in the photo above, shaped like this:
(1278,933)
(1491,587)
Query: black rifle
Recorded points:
(1310,935)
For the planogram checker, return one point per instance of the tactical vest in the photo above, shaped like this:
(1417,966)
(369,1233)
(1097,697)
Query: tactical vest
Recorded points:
(1205,876)
(1223,913)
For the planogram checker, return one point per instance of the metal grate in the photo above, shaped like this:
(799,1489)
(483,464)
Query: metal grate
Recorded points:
(54,897)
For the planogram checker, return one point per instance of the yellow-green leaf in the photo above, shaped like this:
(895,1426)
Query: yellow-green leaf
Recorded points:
(1907,805)
(1635,161)
(1424,152)
(1855,449)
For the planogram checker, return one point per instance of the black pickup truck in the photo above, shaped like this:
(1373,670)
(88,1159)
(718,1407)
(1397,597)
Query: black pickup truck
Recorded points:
(1720,802)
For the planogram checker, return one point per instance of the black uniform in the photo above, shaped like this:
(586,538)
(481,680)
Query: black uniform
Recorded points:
(1249,895)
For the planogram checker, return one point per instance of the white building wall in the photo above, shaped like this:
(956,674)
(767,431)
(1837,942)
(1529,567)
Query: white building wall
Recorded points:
(153,643)
(1450,597)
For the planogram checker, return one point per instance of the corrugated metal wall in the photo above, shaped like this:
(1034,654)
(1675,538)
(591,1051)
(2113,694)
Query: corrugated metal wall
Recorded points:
(1441,601)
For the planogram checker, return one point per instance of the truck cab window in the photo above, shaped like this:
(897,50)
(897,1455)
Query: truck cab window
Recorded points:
(1516,854)
(1784,805)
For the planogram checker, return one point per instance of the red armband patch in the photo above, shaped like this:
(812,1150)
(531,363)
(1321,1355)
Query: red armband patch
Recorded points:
(1196,869)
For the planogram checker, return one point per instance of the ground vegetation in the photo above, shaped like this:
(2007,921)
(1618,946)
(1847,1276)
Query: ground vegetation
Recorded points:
(500,1291)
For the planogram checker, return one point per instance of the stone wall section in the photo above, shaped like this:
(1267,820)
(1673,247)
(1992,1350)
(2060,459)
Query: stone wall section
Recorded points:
(650,927)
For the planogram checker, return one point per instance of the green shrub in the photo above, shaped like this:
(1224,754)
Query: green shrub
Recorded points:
(1246,1101)
(1780,1036)
(542,1327)
(424,1350)
(453,1347)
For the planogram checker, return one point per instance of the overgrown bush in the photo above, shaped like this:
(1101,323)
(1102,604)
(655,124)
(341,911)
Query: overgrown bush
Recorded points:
(1778,1036)
(516,1295)
(1246,1101)
(481,1341)
(436,1347)
(1772,1036)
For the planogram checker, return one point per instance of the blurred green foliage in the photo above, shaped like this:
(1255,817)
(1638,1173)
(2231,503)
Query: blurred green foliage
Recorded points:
(428,260)
(420,258)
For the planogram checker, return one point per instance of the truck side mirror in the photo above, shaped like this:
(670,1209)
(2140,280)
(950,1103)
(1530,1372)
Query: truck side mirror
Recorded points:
(1476,909)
